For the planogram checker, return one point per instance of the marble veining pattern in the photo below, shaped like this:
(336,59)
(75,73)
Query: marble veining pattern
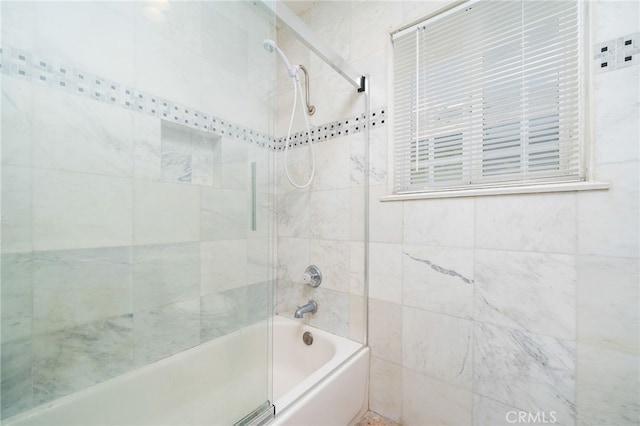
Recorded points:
(176,167)
(293,214)
(74,287)
(190,155)
(378,147)
(534,292)
(427,287)
(147,147)
(332,257)
(166,330)
(293,257)
(76,134)
(16,387)
(358,168)
(76,358)
(17,296)
(440,269)
(525,370)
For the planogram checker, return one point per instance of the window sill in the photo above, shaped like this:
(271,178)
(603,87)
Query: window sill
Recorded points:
(509,190)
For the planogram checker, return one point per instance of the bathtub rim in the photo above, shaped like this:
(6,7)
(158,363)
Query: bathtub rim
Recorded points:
(316,384)
(291,402)
(362,354)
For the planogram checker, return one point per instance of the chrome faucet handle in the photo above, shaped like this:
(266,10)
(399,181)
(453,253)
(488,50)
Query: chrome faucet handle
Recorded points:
(312,276)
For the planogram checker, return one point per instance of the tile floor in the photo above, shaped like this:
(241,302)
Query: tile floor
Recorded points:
(374,419)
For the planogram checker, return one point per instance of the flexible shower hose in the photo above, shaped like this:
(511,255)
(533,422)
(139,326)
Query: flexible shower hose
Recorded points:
(298,89)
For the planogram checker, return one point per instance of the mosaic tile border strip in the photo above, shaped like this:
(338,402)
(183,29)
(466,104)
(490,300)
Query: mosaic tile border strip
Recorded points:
(52,73)
(335,129)
(39,69)
(621,52)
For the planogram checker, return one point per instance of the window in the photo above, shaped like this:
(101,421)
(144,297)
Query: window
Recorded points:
(489,94)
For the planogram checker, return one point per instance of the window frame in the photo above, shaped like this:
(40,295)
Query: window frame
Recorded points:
(511,187)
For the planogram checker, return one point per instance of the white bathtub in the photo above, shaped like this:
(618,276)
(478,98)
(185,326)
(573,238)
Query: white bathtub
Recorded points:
(339,367)
(184,389)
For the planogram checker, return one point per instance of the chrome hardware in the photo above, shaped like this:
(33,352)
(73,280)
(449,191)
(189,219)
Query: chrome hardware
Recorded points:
(310,108)
(311,307)
(307,338)
(312,276)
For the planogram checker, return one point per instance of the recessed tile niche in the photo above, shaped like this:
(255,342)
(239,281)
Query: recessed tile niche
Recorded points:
(190,155)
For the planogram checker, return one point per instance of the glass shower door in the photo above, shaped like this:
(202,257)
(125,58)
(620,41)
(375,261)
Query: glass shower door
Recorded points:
(136,198)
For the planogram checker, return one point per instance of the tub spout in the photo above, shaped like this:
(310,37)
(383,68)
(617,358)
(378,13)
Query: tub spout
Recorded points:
(312,307)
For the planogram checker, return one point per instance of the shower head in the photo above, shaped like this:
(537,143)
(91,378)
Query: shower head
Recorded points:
(271,46)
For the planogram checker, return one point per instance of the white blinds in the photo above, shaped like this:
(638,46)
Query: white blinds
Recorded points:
(489,94)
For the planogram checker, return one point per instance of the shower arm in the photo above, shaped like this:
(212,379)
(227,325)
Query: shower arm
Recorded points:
(309,38)
(310,108)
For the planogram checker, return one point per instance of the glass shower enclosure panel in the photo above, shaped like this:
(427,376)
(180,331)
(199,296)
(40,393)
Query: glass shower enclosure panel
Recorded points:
(136,195)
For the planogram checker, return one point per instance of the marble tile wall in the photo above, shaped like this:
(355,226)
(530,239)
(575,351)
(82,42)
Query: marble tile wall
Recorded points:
(126,237)
(323,225)
(479,306)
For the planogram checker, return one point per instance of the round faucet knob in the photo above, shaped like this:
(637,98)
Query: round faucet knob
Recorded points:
(312,276)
